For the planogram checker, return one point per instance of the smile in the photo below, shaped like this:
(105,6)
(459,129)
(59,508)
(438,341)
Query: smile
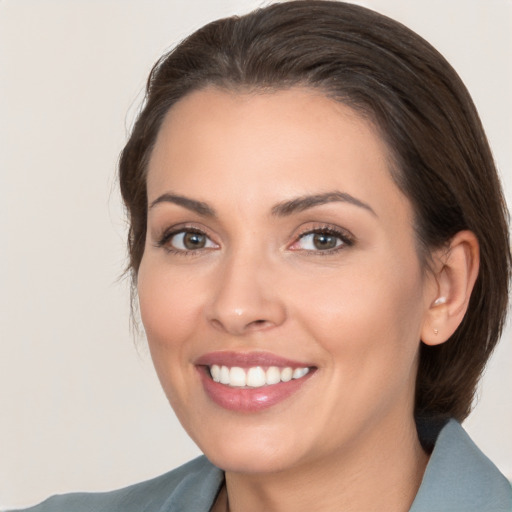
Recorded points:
(249,382)
(256,376)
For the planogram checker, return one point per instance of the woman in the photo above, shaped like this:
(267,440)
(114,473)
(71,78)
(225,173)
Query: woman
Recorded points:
(319,245)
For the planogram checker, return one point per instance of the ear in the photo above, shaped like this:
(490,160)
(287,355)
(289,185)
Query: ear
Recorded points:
(454,275)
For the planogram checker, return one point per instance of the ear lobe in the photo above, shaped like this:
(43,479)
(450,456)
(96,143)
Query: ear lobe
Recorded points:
(455,272)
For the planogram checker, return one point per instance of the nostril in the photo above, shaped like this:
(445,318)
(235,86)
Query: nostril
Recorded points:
(217,324)
(241,326)
(257,324)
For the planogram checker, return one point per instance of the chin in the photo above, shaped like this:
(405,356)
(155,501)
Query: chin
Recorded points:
(253,460)
(253,449)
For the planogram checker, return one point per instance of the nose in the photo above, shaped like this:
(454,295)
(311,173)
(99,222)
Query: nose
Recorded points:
(246,297)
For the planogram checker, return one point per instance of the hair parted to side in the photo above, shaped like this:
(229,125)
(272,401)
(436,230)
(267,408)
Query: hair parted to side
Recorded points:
(386,72)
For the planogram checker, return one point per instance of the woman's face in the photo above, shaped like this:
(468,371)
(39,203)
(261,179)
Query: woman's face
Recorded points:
(279,247)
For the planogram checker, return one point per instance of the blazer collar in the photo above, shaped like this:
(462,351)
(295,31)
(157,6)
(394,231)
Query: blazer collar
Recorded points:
(458,478)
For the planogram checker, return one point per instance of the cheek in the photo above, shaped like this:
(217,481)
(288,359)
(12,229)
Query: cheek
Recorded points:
(169,310)
(169,306)
(366,319)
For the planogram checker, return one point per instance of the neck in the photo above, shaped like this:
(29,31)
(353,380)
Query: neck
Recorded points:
(382,471)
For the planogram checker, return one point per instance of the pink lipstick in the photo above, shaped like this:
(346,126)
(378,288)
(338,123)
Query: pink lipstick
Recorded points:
(250,382)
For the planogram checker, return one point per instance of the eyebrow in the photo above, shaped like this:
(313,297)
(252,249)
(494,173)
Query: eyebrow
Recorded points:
(283,209)
(198,207)
(302,203)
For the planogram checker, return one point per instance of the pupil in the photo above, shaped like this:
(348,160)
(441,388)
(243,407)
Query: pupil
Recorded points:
(194,241)
(323,241)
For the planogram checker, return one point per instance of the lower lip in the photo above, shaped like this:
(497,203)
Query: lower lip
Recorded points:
(249,399)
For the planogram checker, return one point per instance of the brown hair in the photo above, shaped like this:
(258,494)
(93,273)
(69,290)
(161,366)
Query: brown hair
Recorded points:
(442,160)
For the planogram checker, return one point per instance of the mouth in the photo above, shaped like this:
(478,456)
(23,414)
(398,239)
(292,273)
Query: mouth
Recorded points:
(250,382)
(255,376)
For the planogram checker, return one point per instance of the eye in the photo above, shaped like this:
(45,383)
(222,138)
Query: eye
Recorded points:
(320,241)
(186,240)
(324,240)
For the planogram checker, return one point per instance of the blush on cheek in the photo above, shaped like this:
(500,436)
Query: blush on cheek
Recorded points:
(165,310)
(166,322)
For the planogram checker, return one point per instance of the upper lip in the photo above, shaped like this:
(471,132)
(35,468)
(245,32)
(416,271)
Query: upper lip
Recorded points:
(247,360)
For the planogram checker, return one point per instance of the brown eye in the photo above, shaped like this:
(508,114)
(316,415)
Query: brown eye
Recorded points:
(323,241)
(183,241)
(193,241)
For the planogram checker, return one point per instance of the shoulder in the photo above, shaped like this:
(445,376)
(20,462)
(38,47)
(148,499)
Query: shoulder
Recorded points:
(459,477)
(192,486)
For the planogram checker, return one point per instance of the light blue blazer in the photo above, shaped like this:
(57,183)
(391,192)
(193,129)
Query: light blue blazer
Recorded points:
(458,478)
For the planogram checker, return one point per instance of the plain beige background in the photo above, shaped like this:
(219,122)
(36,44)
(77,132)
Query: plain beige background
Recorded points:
(80,407)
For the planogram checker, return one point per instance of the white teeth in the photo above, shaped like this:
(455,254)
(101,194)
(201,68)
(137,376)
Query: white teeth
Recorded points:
(237,377)
(215,371)
(273,375)
(256,376)
(286,374)
(300,372)
(224,375)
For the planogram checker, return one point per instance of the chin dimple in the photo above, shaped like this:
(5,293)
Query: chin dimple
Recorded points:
(254,377)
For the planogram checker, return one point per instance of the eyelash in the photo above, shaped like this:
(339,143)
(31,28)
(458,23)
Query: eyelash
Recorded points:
(347,239)
(167,236)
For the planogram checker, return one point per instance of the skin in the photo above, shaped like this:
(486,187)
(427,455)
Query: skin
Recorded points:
(347,439)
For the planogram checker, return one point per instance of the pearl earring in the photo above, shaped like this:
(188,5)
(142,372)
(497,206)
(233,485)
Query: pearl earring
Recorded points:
(439,301)
(436,332)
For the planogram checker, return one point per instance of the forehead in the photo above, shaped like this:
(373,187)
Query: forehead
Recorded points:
(272,144)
